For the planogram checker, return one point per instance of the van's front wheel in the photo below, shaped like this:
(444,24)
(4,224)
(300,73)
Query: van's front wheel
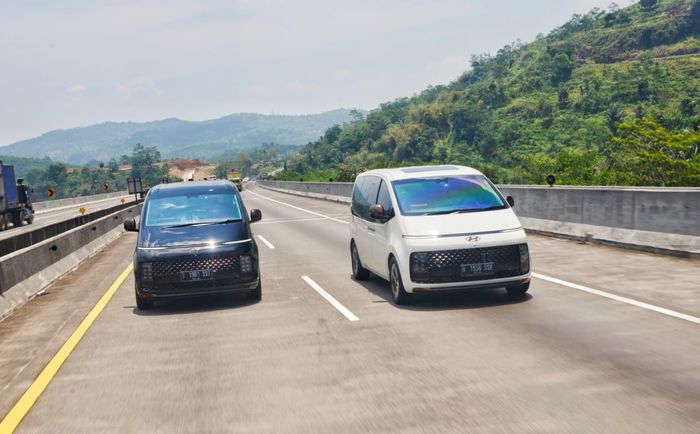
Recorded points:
(358,271)
(398,291)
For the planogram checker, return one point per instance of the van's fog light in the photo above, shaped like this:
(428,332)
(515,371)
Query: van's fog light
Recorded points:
(246,265)
(147,271)
(524,259)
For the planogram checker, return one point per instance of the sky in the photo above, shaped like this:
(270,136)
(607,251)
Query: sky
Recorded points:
(72,63)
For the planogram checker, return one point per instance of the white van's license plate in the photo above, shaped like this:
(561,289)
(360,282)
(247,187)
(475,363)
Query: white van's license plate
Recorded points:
(193,275)
(477,269)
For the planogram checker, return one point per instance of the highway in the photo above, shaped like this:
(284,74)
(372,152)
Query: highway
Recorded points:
(50,216)
(607,340)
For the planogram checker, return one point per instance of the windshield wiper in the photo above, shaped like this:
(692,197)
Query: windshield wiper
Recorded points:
(184,225)
(464,210)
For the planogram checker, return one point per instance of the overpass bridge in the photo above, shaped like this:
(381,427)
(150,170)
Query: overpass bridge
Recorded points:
(606,341)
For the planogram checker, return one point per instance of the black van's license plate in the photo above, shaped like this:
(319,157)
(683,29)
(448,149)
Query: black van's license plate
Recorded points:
(482,269)
(192,275)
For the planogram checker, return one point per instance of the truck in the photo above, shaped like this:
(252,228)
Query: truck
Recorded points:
(235,177)
(15,199)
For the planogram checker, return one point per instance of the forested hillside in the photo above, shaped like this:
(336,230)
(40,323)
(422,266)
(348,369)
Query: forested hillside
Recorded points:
(611,97)
(210,139)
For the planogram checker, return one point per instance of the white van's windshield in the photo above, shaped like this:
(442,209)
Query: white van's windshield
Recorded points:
(446,195)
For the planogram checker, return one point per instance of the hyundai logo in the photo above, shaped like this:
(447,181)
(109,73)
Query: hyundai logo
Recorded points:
(473,239)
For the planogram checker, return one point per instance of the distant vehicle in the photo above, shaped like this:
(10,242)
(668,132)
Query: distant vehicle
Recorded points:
(246,179)
(235,177)
(210,178)
(436,228)
(16,205)
(194,239)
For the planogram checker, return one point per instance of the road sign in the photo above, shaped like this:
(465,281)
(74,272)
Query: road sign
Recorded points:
(135,185)
(51,192)
(123,200)
(105,187)
(82,211)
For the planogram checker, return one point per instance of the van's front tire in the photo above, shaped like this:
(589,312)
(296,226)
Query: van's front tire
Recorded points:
(358,271)
(398,291)
(143,303)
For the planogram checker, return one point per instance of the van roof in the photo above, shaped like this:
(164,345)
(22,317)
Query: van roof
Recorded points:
(422,172)
(186,188)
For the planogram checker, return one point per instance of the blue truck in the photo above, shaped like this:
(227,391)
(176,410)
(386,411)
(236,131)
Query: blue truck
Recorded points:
(15,199)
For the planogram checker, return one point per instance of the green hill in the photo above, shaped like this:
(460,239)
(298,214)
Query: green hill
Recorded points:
(610,97)
(177,138)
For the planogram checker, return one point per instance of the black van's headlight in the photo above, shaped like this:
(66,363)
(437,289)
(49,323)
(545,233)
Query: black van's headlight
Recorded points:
(524,258)
(246,266)
(147,271)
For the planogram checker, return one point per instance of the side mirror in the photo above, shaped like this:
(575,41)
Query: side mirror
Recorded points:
(377,212)
(510,200)
(130,225)
(255,215)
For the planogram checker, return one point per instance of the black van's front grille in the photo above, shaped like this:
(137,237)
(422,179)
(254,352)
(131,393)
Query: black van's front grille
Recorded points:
(174,267)
(451,266)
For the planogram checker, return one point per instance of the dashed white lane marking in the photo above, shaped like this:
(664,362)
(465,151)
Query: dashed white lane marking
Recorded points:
(329,298)
(267,243)
(621,299)
(300,209)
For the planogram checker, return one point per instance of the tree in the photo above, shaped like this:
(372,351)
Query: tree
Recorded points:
(655,156)
(562,68)
(614,116)
(648,4)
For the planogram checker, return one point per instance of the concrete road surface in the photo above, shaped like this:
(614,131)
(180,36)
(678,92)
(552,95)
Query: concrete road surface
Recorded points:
(611,346)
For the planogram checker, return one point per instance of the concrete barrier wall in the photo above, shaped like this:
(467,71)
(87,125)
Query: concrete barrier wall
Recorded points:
(663,220)
(25,273)
(26,239)
(48,204)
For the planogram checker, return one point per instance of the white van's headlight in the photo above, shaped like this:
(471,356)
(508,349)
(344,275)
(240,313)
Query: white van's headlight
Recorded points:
(524,258)
(419,265)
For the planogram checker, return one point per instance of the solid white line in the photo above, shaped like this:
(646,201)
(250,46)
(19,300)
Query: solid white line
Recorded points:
(621,299)
(329,298)
(300,209)
(267,243)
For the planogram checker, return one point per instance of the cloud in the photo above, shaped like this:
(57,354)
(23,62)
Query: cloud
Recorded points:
(134,86)
(342,74)
(290,89)
(447,69)
(76,89)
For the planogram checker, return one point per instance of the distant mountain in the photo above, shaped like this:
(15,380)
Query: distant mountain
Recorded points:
(178,138)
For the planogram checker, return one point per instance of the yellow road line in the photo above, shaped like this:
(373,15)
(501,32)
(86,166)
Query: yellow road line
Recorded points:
(25,403)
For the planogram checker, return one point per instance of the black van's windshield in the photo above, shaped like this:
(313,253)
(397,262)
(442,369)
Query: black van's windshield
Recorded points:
(446,195)
(192,209)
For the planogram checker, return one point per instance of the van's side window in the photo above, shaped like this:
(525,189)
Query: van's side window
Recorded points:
(357,197)
(384,199)
(370,186)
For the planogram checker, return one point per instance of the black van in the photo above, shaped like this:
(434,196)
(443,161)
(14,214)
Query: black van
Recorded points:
(194,239)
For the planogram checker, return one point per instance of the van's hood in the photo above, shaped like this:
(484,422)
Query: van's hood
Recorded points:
(193,235)
(457,224)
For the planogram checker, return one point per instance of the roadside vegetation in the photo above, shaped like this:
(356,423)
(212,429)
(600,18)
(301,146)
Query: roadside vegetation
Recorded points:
(145,162)
(611,97)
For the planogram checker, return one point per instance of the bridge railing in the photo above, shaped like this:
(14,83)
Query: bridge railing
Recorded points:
(662,220)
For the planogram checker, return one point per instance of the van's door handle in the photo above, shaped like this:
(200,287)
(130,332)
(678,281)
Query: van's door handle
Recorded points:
(371,229)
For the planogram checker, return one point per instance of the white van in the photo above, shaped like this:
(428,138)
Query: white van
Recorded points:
(436,228)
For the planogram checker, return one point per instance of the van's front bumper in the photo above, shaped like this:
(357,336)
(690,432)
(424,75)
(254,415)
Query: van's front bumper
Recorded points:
(467,286)
(443,264)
